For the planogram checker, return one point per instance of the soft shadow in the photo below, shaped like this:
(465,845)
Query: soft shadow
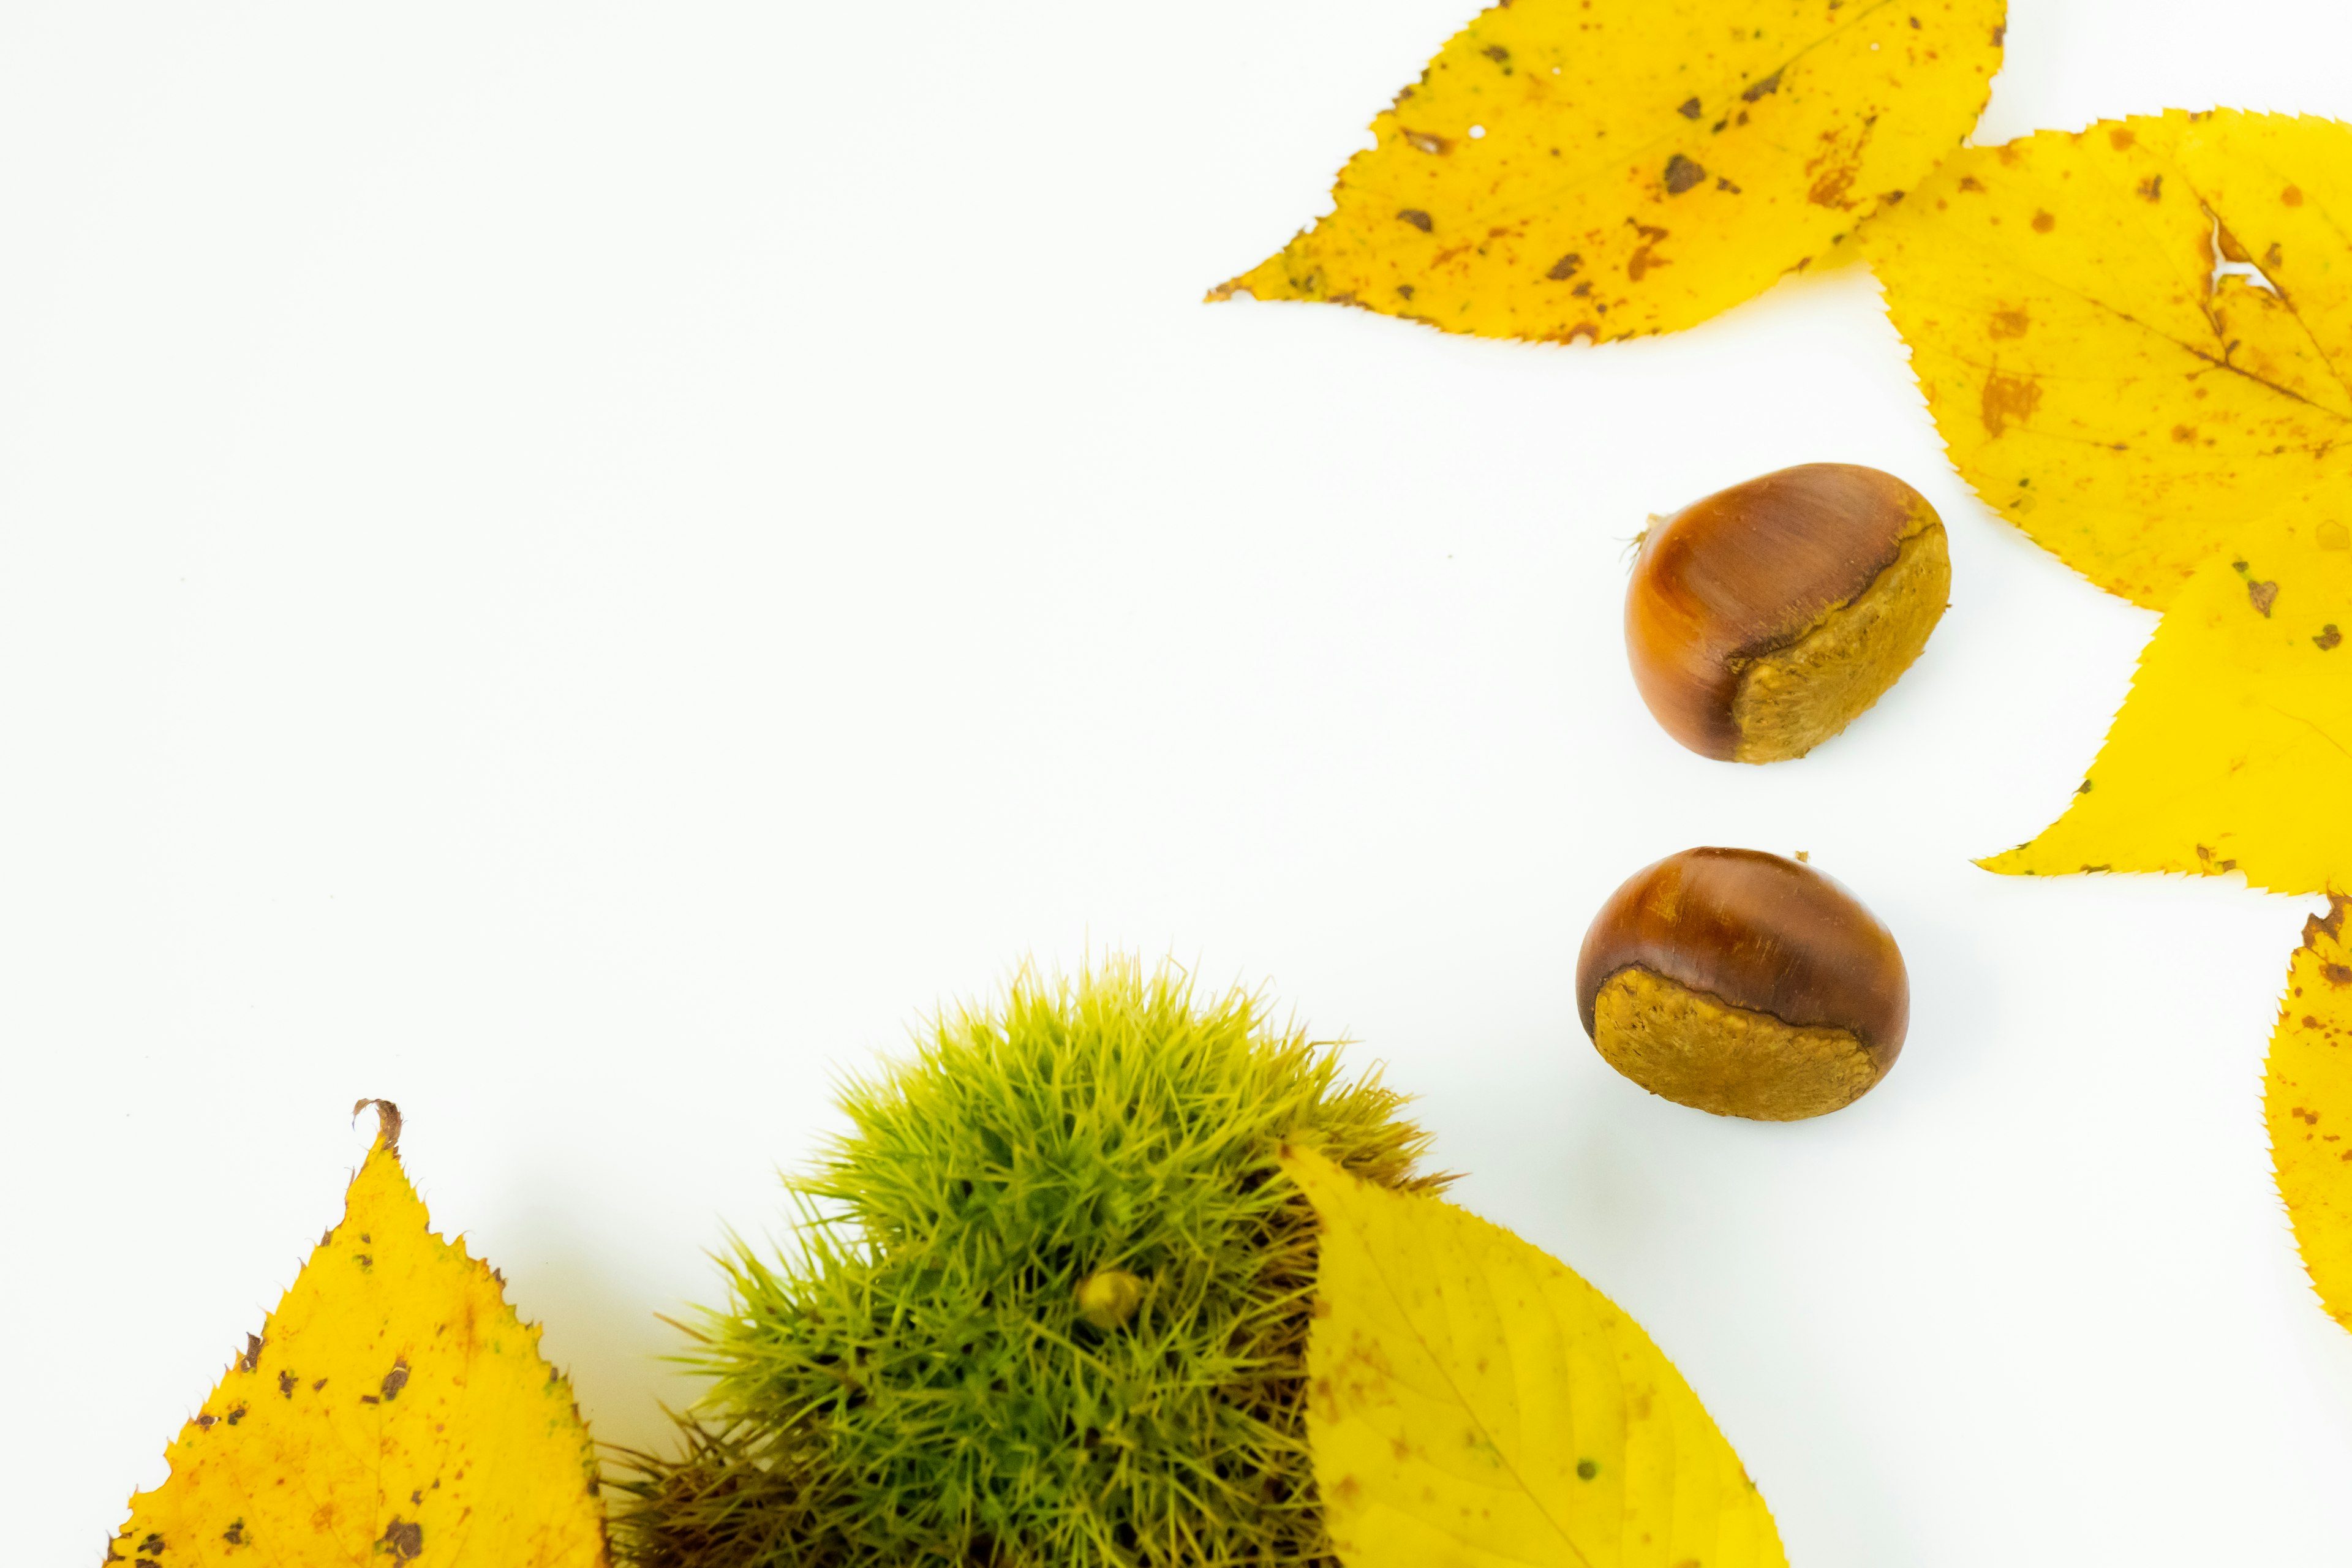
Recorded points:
(600,1329)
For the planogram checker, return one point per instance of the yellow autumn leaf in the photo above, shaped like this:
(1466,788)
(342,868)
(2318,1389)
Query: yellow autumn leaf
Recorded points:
(1607,168)
(2234,750)
(2138,338)
(394,1409)
(2307,1100)
(1473,1404)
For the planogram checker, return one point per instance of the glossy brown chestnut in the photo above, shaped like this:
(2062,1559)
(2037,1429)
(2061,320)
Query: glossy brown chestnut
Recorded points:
(1742,984)
(1762,620)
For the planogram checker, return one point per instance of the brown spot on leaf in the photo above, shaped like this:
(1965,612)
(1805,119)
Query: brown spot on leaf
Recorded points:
(2273,259)
(1422,142)
(2010,324)
(1404,290)
(1565,268)
(1682,174)
(2044,222)
(1647,257)
(2184,433)
(1829,191)
(1970,183)
(2008,399)
(1755,90)
(2292,197)
(2121,138)
(250,1357)
(2152,188)
(2264,594)
(1497,53)
(403,1539)
(1689,109)
(2328,636)
(1415,217)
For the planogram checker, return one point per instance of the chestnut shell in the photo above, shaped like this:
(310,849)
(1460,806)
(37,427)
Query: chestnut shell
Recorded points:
(1760,933)
(1748,571)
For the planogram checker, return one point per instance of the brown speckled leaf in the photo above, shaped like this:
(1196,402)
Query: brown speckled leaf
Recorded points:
(393,1410)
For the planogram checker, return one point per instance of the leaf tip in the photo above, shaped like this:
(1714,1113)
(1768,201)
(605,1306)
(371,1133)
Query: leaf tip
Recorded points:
(387,1123)
(1312,1171)
(1269,279)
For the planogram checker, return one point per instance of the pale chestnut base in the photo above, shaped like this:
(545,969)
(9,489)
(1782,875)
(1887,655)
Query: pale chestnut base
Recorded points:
(1791,700)
(1700,1051)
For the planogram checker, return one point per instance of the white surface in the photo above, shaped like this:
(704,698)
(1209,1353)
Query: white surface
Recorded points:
(580,567)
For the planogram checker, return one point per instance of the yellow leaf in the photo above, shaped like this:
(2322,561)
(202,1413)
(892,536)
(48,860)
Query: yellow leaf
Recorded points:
(1606,168)
(393,1409)
(1473,1404)
(2093,376)
(2234,750)
(2307,1100)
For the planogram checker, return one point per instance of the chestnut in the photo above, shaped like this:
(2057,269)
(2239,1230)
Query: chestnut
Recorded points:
(1743,983)
(1763,619)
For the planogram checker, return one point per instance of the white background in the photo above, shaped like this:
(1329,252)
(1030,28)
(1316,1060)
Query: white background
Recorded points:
(584,567)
